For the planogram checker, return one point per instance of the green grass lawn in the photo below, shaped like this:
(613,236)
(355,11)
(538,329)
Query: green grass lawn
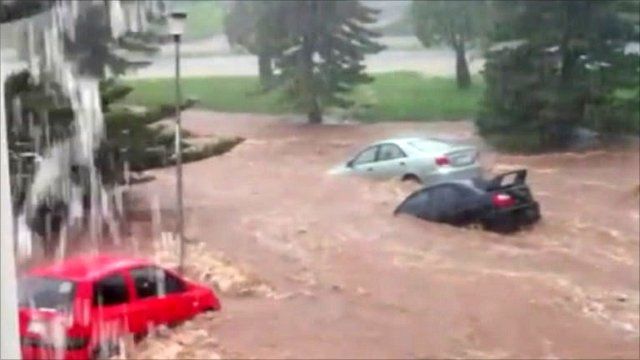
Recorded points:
(393,96)
(220,93)
(204,19)
(411,96)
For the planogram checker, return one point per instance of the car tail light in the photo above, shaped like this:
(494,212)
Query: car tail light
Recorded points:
(442,160)
(503,200)
(37,327)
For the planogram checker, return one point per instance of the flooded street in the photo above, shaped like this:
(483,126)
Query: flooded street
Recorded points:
(307,264)
(350,280)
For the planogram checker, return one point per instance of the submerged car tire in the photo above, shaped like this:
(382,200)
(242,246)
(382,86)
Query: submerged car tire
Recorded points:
(475,226)
(503,226)
(411,178)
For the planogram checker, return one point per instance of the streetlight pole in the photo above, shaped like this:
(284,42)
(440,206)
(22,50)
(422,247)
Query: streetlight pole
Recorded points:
(176,28)
(179,155)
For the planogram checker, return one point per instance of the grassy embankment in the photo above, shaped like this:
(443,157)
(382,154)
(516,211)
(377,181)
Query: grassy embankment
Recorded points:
(396,96)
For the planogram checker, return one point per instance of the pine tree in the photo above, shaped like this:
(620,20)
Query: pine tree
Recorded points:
(327,42)
(96,53)
(455,23)
(556,65)
(11,10)
(254,25)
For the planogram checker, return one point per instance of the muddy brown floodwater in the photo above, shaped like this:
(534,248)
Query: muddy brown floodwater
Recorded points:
(347,279)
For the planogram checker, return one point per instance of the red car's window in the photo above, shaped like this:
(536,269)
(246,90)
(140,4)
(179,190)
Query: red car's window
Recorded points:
(173,284)
(110,290)
(152,281)
(145,282)
(46,293)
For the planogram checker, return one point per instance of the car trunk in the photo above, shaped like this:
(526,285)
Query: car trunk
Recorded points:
(520,193)
(43,328)
(460,157)
(513,184)
(47,317)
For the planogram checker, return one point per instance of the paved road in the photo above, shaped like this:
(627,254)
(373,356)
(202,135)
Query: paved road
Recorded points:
(213,57)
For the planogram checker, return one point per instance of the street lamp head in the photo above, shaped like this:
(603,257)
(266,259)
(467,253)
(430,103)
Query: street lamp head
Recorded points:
(176,22)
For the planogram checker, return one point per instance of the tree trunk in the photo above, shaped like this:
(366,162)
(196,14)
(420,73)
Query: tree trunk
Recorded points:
(314,111)
(566,68)
(568,61)
(265,68)
(462,68)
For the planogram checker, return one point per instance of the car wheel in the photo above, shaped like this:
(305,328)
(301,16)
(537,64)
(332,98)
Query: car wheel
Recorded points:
(411,178)
(475,226)
(502,227)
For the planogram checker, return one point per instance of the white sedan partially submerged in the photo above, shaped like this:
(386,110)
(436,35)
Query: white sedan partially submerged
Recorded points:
(427,161)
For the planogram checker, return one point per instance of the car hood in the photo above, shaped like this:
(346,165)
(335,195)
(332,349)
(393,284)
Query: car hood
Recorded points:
(339,170)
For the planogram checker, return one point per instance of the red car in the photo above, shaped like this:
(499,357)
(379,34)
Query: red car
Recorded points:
(82,307)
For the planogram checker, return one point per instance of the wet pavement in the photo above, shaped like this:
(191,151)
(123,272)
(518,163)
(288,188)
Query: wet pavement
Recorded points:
(347,279)
(213,57)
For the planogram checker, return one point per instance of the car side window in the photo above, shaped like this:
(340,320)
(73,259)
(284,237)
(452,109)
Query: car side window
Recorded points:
(366,156)
(448,193)
(465,191)
(390,152)
(172,283)
(145,282)
(110,290)
(152,281)
(443,198)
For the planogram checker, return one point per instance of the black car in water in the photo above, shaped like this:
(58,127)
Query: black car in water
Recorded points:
(502,204)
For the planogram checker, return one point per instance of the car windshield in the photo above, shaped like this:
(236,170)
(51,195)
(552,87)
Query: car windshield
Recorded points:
(45,293)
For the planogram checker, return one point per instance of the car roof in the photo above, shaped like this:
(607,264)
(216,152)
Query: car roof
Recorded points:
(400,140)
(475,184)
(408,140)
(88,267)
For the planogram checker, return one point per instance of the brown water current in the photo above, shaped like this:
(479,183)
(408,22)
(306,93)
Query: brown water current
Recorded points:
(341,277)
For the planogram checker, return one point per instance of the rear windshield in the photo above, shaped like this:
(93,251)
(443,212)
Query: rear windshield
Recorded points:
(426,146)
(45,293)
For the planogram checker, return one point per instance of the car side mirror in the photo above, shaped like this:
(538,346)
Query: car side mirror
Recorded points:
(350,163)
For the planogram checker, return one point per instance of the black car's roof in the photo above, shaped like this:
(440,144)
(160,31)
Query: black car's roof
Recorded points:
(483,185)
(476,184)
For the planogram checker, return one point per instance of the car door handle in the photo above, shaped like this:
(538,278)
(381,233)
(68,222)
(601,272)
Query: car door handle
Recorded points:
(370,169)
(402,163)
